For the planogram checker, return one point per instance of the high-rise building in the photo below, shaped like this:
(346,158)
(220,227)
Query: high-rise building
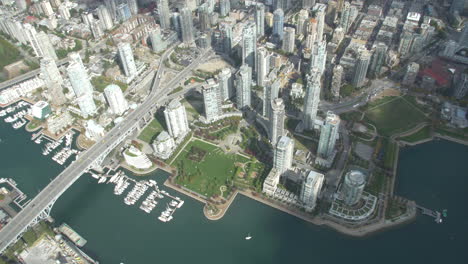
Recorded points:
(53,81)
(328,135)
(360,70)
(46,8)
(224,7)
(212,100)
(353,186)
(260,19)
(464,36)
(164,14)
(320,11)
(318,56)
(176,119)
(283,4)
(406,40)
(312,98)
(126,59)
(105,17)
(289,39)
(336,81)
(276,120)
(249,45)
(310,190)
(269,19)
(75,57)
(263,65)
(175,20)
(301,24)
(186,24)
(55,3)
(308,4)
(338,35)
(40,42)
(311,34)
(204,17)
(123,12)
(411,73)
(157,43)
(163,145)
(96,29)
(87,18)
(283,156)
(278,24)
(226,36)
(86,104)
(94,131)
(112,8)
(225,83)
(79,79)
(204,40)
(461,86)
(133,6)
(243,84)
(270,93)
(64,12)
(348,15)
(377,60)
(116,99)
(21,5)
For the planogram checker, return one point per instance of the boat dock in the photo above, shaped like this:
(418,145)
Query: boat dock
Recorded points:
(435,214)
(72,235)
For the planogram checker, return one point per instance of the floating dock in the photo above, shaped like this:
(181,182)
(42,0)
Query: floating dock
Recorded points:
(72,235)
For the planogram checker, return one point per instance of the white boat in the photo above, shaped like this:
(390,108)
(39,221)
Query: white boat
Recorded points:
(180,204)
(94,176)
(248,237)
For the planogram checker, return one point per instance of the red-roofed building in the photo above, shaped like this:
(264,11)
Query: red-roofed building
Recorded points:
(439,72)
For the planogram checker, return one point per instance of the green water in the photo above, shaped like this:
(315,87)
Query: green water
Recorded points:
(433,174)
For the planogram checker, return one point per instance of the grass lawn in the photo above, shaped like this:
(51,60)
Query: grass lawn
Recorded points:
(209,170)
(377,183)
(394,116)
(421,134)
(101,82)
(389,154)
(8,53)
(151,131)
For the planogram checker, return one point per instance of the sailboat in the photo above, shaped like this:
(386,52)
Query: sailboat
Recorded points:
(248,237)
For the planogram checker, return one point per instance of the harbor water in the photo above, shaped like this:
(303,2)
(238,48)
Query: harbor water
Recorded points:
(434,174)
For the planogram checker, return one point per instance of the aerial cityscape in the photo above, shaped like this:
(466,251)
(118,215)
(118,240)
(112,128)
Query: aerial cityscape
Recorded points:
(233,131)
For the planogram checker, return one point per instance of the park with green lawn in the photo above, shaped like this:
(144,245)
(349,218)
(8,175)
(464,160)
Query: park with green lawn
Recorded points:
(394,115)
(151,131)
(204,168)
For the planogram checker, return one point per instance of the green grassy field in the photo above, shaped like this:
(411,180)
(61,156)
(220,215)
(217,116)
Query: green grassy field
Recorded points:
(206,176)
(394,116)
(8,53)
(421,134)
(101,82)
(151,131)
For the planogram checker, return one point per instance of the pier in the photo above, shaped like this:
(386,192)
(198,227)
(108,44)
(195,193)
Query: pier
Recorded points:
(435,214)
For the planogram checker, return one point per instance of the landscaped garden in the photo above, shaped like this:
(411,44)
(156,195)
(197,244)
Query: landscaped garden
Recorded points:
(422,134)
(149,133)
(204,168)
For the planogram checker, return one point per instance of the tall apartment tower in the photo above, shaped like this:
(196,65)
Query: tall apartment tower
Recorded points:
(318,56)
(225,83)
(377,60)
(311,31)
(204,17)
(79,79)
(164,14)
(186,24)
(53,81)
(226,36)
(348,15)
(112,8)
(263,65)
(283,156)
(40,42)
(212,100)
(310,190)
(320,11)
(270,93)
(360,69)
(249,45)
(353,186)
(224,7)
(116,99)
(133,6)
(308,4)
(260,19)
(243,84)
(312,98)
(278,24)
(86,105)
(289,38)
(64,12)
(105,17)
(301,23)
(176,119)
(336,81)
(127,59)
(411,73)
(276,120)
(328,135)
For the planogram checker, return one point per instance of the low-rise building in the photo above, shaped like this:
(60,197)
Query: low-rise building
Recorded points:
(164,145)
(136,159)
(41,110)
(59,122)
(94,131)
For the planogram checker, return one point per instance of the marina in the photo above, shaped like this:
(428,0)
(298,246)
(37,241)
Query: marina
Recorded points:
(140,188)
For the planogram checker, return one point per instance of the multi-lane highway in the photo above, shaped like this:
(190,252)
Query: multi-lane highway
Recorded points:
(65,179)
